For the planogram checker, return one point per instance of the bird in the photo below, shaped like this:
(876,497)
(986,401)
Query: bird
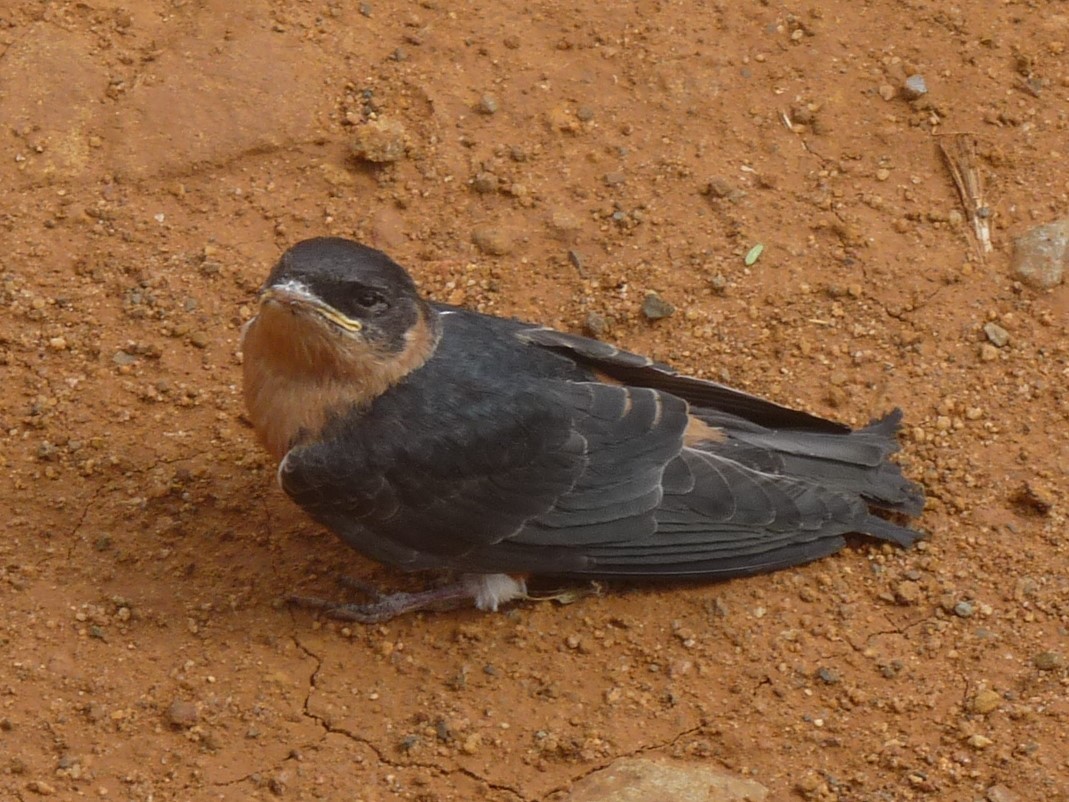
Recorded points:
(434,438)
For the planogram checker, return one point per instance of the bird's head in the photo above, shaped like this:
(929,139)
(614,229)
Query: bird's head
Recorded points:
(340,292)
(338,324)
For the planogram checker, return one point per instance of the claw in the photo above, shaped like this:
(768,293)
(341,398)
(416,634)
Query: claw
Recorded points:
(368,589)
(384,607)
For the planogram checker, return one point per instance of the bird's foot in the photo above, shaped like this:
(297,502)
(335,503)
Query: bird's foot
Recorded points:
(487,591)
(383,607)
(568,595)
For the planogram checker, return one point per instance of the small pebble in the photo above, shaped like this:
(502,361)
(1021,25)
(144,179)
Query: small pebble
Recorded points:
(887,92)
(908,592)
(380,141)
(487,105)
(564,224)
(827,676)
(491,240)
(484,183)
(963,609)
(914,87)
(986,701)
(998,336)
(1048,661)
(1000,793)
(182,714)
(719,187)
(594,325)
(654,307)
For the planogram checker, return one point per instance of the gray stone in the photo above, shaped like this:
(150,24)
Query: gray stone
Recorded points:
(1040,256)
(914,87)
(487,105)
(998,336)
(963,609)
(654,307)
(643,780)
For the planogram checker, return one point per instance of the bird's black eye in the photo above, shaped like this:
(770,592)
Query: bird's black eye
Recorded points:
(370,299)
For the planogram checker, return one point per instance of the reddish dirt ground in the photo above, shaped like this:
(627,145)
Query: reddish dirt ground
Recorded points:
(155,159)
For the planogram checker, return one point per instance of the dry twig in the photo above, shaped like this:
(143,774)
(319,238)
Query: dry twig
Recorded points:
(960,157)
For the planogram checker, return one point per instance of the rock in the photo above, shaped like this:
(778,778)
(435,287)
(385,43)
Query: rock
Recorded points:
(1040,256)
(827,676)
(655,307)
(487,105)
(963,609)
(564,224)
(380,141)
(998,336)
(491,240)
(594,325)
(985,702)
(1032,499)
(887,92)
(908,592)
(643,779)
(1000,793)
(1048,661)
(720,188)
(484,183)
(182,714)
(914,87)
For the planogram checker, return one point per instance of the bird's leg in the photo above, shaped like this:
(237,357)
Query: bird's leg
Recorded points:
(384,607)
(569,595)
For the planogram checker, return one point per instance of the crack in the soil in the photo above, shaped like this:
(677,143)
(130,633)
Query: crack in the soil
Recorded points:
(381,756)
(72,536)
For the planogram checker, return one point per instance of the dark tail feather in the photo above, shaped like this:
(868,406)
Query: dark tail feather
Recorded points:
(856,462)
(885,530)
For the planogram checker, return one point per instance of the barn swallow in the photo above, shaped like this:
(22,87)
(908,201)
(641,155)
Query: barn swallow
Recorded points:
(429,436)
